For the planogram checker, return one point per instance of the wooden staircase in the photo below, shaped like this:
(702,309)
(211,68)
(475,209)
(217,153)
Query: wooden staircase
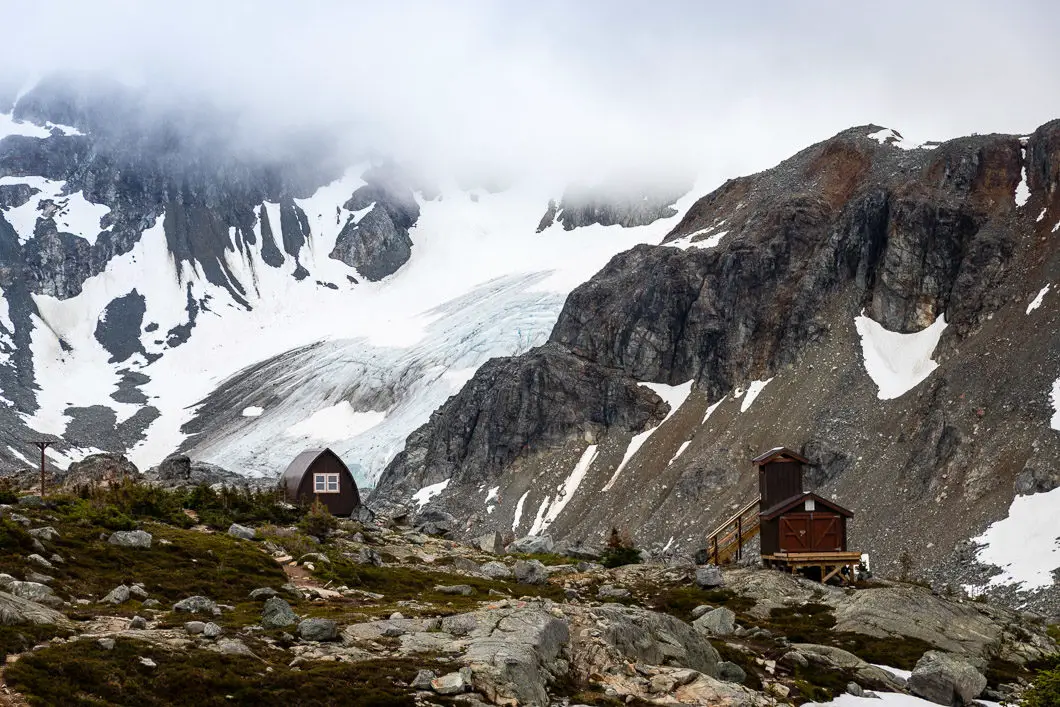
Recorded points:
(726,542)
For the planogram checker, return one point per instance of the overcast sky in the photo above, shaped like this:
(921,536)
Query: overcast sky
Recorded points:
(579,86)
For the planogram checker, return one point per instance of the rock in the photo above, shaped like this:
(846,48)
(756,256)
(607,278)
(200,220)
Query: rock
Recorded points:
(366,556)
(795,659)
(131,538)
(40,561)
(35,592)
(31,501)
(151,603)
(495,570)
(105,468)
(106,644)
(363,514)
(532,545)
(118,595)
(242,531)
(179,471)
(609,591)
(47,533)
(33,576)
(532,572)
(455,589)
(211,630)
(423,678)
(318,630)
(234,647)
(138,623)
(839,659)
(194,627)
(277,613)
(450,684)
(137,590)
(490,542)
(700,610)
(854,689)
(263,593)
(16,609)
(147,662)
(709,577)
(946,679)
(731,672)
(651,638)
(717,622)
(434,521)
(315,557)
(197,605)
(378,244)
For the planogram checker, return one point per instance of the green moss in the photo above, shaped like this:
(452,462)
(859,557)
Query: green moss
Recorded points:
(214,565)
(680,601)
(17,639)
(1054,632)
(407,583)
(82,673)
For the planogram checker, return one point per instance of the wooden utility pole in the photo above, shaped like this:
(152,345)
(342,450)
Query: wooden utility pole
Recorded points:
(42,445)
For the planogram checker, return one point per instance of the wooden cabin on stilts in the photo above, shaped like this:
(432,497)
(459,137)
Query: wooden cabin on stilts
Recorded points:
(799,530)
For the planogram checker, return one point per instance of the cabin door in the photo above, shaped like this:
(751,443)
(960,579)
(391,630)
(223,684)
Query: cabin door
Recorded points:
(795,532)
(826,535)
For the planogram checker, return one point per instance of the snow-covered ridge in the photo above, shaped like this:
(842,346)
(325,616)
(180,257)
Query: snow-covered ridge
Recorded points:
(369,361)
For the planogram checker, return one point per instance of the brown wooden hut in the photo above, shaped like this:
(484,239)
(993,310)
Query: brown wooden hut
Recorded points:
(804,523)
(319,473)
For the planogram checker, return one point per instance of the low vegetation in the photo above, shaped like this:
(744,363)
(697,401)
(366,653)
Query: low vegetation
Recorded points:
(83,673)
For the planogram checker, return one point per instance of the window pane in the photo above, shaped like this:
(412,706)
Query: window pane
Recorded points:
(319,482)
(333,482)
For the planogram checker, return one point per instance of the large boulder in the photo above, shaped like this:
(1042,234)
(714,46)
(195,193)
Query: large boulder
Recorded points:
(946,679)
(709,577)
(318,630)
(717,622)
(532,545)
(104,468)
(495,570)
(492,543)
(35,592)
(839,659)
(131,538)
(435,521)
(532,572)
(277,613)
(178,470)
(197,605)
(15,610)
(241,531)
(637,635)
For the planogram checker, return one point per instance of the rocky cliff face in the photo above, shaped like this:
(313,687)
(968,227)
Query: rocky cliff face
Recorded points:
(758,299)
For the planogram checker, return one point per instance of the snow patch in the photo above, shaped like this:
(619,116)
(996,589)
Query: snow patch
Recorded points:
(340,421)
(492,493)
(539,519)
(680,451)
(1054,399)
(253,411)
(1041,215)
(675,395)
(566,490)
(1023,192)
(519,511)
(898,362)
(711,409)
(425,494)
(893,137)
(898,672)
(686,242)
(1037,301)
(752,392)
(9,126)
(882,699)
(1026,544)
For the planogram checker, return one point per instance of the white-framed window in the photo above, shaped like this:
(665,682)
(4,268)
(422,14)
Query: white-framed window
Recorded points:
(326,483)
(811,505)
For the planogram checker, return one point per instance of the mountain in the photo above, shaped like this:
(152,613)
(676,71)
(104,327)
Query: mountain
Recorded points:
(173,279)
(883,307)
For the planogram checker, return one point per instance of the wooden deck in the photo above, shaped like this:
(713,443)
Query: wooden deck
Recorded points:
(831,564)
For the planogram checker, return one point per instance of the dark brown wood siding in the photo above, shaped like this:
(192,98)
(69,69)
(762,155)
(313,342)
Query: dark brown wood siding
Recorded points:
(801,531)
(341,503)
(779,481)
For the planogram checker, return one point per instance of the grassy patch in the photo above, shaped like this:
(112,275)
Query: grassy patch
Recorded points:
(82,673)
(680,601)
(214,565)
(17,639)
(406,583)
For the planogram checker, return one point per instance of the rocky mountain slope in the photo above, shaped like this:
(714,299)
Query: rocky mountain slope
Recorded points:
(883,307)
(117,593)
(173,279)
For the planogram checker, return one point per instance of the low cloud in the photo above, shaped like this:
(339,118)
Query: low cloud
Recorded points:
(574,90)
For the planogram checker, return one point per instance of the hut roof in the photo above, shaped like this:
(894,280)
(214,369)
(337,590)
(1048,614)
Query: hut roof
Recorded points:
(778,452)
(292,476)
(784,506)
